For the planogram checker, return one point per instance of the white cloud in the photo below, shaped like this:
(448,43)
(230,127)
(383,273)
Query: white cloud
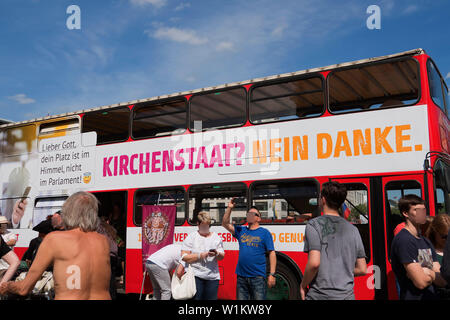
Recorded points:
(386,6)
(225,46)
(22,99)
(156,3)
(178,35)
(447,76)
(278,31)
(410,9)
(255,43)
(182,6)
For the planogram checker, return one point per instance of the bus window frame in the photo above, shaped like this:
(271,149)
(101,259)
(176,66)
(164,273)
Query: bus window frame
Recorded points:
(217,223)
(212,92)
(354,184)
(135,194)
(363,181)
(108,110)
(42,197)
(52,123)
(160,102)
(285,80)
(277,181)
(445,99)
(35,140)
(387,205)
(445,164)
(368,224)
(419,94)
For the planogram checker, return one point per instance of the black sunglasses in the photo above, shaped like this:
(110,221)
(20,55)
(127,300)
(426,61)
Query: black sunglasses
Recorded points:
(254,213)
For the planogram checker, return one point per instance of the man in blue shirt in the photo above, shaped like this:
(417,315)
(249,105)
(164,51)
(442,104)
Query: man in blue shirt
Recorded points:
(254,242)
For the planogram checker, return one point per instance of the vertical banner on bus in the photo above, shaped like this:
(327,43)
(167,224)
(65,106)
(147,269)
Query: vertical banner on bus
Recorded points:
(157,228)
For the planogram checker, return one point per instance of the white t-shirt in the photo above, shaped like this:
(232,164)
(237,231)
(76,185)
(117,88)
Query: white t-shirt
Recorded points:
(167,257)
(207,269)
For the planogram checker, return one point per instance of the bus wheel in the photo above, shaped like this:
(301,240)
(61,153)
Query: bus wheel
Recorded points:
(286,287)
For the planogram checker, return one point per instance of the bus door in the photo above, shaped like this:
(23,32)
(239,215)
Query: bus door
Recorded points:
(395,187)
(356,209)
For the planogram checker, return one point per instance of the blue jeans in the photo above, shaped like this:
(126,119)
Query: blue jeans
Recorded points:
(206,289)
(251,288)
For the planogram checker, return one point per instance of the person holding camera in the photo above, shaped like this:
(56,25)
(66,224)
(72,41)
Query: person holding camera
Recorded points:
(254,242)
(203,249)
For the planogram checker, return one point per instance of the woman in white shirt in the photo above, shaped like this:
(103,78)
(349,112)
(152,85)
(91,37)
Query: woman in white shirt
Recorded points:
(202,249)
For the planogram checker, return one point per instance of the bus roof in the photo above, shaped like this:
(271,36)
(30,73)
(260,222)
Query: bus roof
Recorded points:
(4,121)
(227,85)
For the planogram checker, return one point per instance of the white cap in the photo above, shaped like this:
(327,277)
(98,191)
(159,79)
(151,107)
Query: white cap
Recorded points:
(3,219)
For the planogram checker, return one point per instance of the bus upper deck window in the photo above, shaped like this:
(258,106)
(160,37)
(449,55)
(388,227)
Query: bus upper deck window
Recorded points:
(157,119)
(447,98)
(373,86)
(59,128)
(287,100)
(436,86)
(19,140)
(111,125)
(217,110)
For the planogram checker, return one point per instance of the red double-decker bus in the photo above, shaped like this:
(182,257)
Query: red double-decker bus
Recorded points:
(380,126)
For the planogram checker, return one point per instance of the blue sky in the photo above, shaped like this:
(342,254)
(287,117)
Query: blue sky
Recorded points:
(134,49)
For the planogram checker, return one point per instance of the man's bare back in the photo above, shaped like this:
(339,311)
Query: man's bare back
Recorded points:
(81,266)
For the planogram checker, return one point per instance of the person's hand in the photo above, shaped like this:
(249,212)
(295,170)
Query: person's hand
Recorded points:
(18,211)
(271,280)
(180,271)
(303,292)
(3,288)
(430,273)
(232,203)
(212,253)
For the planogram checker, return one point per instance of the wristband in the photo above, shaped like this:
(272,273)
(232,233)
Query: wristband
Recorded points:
(272,274)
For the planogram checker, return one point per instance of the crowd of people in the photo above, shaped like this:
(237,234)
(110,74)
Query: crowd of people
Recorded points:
(335,254)
(87,253)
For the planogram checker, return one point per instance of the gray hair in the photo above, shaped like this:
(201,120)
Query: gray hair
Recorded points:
(80,210)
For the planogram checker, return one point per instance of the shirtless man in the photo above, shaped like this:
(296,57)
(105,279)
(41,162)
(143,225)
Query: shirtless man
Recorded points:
(80,256)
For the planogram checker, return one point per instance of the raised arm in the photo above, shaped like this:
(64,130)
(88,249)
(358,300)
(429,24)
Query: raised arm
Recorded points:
(18,212)
(226,223)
